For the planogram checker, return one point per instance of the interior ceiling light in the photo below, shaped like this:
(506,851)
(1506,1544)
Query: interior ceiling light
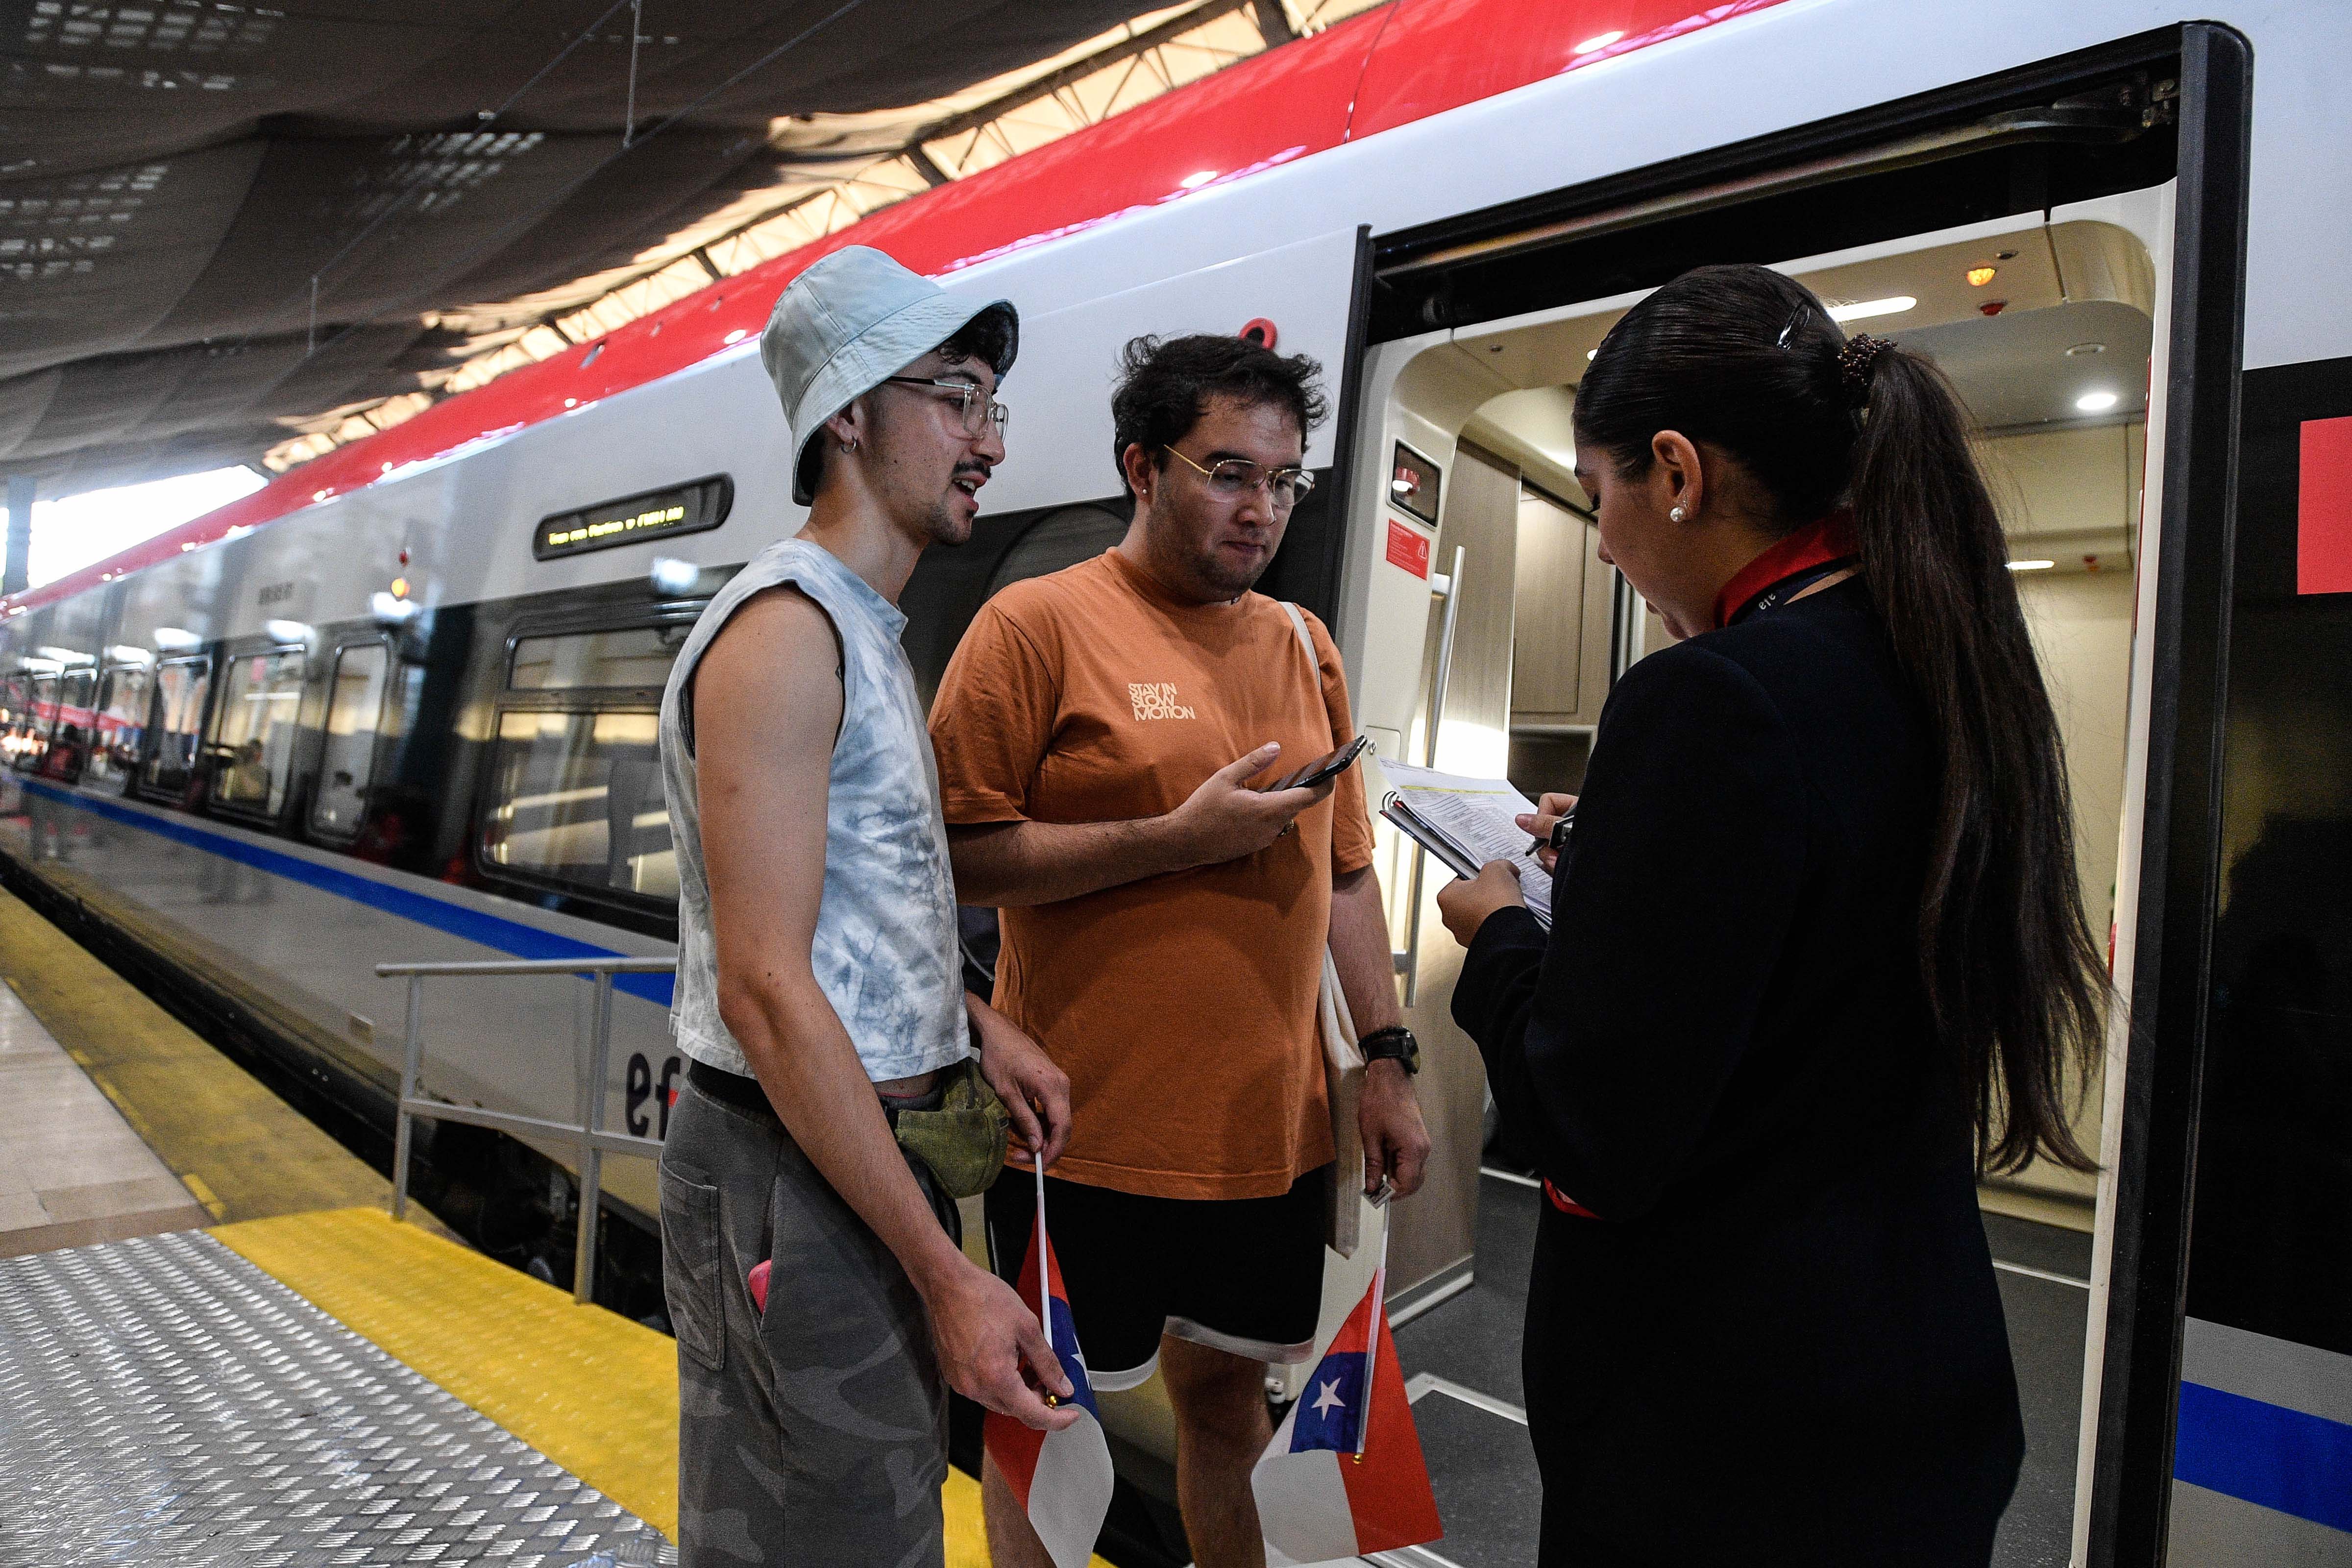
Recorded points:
(1862,309)
(1598,41)
(2031,565)
(2096,402)
(1979,276)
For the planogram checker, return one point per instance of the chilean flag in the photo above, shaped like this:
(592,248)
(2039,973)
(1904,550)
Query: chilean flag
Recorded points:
(1344,1476)
(1063,1478)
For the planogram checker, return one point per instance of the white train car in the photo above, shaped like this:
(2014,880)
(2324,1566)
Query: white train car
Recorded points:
(400,704)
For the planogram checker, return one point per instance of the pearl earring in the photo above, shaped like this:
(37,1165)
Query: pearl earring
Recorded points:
(1675,515)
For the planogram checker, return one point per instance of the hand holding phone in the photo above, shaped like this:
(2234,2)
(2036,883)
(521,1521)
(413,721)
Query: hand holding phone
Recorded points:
(1329,765)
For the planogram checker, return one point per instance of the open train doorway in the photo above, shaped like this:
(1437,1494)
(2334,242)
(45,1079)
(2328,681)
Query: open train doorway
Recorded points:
(2049,324)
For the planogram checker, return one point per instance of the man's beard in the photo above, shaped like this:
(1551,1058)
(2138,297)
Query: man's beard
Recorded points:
(946,524)
(1226,581)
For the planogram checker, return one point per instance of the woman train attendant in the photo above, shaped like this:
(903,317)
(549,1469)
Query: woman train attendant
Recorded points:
(1820,957)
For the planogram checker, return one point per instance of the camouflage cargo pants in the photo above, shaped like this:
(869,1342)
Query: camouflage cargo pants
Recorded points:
(814,1434)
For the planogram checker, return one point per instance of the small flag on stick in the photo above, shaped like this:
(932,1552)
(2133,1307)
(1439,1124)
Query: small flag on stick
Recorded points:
(1344,1475)
(1062,1480)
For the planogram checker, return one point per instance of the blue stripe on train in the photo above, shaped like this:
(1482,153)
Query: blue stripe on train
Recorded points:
(511,937)
(2265,1454)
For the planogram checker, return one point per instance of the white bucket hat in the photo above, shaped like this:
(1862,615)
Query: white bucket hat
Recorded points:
(851,322)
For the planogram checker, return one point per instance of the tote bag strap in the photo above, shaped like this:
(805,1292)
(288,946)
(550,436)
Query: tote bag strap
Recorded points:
(1306,644)
(1343,1064)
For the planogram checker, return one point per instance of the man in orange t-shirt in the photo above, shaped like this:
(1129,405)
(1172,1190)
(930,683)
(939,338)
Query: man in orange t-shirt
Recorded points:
(1099,733)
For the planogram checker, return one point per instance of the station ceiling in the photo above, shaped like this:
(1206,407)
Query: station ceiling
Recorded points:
(221,223)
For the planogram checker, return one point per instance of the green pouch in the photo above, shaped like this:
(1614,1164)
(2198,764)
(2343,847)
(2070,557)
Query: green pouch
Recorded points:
(963,1142)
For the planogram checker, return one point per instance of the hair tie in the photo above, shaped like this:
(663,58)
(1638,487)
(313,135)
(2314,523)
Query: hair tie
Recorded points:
(1857,361)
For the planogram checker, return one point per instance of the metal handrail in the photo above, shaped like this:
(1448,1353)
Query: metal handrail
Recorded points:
(588,1134)
(1408,963)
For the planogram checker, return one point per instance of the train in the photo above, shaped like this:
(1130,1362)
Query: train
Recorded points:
(399,705)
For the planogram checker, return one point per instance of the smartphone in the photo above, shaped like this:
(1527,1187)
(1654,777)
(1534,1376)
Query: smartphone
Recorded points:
(1329,765)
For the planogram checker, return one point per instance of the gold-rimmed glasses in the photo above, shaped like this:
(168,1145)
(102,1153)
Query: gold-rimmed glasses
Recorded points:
(1234,477)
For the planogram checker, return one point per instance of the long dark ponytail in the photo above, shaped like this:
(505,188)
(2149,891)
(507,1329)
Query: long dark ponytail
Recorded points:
(1749,361)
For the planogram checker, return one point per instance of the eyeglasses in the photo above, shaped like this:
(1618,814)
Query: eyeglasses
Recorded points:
(1236,477)
(977,409)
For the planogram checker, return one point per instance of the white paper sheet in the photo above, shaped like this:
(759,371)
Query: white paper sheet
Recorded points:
(1478,813)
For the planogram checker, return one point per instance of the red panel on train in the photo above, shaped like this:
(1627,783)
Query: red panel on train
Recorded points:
(2323,510)
(1438,55)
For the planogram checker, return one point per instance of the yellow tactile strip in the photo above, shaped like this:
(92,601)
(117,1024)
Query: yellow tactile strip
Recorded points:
(590,1390)
(241,1152)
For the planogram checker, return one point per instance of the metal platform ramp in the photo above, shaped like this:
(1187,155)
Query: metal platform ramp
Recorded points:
(164,1400)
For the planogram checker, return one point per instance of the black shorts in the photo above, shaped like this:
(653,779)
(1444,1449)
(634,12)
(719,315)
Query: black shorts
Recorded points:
(1240,1275)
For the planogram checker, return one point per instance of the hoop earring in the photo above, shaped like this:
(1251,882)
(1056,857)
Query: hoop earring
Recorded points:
(1675,515)
(850,445)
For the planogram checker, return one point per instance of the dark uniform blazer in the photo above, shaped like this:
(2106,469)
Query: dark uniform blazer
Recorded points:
(1780,1339)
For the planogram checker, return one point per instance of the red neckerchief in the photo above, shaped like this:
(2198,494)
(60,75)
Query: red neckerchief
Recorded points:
(1817,543)
(1565,1203)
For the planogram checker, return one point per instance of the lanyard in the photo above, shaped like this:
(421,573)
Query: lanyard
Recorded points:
(1788,568)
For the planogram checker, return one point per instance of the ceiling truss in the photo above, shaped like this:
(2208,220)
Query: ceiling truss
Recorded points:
(1131,65)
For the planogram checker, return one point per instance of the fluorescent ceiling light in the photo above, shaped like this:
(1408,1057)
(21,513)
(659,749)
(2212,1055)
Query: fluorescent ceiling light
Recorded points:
(171,639)
(2031,565)
(1598,41)
(2096,402)
(1862,309)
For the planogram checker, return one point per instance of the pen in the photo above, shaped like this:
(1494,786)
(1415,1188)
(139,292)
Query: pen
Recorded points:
(1557,840)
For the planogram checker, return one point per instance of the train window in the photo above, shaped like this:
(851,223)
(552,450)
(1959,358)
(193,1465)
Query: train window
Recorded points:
(16,715)
(122,723)
(1063,537)
(35,709)
(69,741)
(578,800)
(632,657)
(253,739)
(181,687)
(354,716)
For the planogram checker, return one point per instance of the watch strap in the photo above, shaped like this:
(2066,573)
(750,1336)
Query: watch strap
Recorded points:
(1393,1044)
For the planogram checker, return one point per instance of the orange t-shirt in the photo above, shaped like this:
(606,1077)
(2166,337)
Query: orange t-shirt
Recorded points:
(1183,1007)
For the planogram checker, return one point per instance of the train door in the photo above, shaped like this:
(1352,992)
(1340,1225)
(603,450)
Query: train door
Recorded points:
(2062,321)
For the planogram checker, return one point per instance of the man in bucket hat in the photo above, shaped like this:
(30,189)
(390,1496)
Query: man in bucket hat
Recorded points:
(832,1111)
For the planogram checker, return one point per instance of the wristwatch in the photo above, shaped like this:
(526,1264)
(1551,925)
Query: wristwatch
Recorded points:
(1393,1044)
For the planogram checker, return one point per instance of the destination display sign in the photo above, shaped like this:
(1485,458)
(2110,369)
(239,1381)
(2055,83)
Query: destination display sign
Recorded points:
(633,519)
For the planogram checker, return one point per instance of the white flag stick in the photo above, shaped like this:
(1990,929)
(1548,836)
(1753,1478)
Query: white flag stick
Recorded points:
(1044,1302)
(1379,1322)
